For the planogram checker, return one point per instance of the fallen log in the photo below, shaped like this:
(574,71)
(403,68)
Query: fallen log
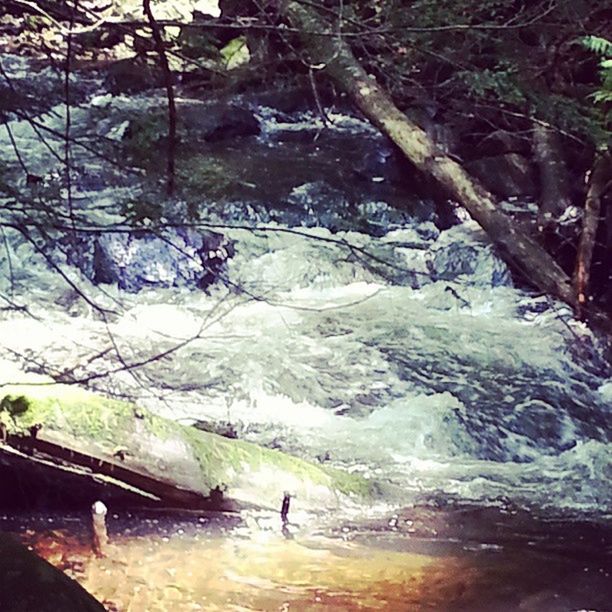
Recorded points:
(328,50)
(110,448)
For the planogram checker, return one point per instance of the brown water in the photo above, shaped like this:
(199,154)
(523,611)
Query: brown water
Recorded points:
(417,559)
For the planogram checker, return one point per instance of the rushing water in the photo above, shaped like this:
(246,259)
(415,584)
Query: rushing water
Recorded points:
(339,346)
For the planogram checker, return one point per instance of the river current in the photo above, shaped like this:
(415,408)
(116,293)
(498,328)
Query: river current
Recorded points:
(340,346)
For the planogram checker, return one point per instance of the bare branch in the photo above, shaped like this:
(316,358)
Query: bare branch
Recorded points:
(163,60)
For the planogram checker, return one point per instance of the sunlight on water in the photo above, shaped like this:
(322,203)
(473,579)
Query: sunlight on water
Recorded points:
(420,559)
(405,355)
(267,575)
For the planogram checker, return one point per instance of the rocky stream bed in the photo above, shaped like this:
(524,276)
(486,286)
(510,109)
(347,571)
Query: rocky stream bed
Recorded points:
(444,431)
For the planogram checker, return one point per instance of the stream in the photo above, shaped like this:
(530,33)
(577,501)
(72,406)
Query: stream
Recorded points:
(343,330)
(424,558)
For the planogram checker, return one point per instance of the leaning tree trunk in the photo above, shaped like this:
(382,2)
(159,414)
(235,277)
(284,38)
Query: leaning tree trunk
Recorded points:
(555,192)
(519,249)
(599,182)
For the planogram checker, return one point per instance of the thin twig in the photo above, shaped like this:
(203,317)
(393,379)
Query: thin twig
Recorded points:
(15,147)
(67,68)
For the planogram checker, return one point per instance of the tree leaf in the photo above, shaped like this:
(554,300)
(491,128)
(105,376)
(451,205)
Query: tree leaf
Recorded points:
(236,53)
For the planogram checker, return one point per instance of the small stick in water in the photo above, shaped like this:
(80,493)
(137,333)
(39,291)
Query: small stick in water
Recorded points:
(100,535)
(285,507)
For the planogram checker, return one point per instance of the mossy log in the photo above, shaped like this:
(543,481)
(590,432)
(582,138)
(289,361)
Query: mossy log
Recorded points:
(157,462)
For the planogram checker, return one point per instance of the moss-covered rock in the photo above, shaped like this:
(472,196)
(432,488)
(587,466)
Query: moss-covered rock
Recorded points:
(144,450)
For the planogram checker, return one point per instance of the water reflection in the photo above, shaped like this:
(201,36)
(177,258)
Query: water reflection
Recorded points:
(451,559)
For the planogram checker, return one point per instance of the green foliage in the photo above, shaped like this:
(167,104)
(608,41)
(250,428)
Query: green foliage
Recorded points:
(570,115)
(500,82)
(236,52)
(15,405)
(465,59)
(598,45)
(603,48)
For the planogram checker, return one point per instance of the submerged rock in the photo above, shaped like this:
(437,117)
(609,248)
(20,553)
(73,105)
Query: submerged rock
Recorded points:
(141,258)
(463,253)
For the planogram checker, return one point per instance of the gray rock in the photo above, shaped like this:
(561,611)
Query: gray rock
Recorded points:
(132,75)
(462,253)
(508,175)
(137,259)
(217,121)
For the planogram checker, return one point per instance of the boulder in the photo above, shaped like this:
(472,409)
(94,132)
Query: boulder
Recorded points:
(463,253)
(216,121)
(507,175)
(232,122)
(139,258)
(132,75)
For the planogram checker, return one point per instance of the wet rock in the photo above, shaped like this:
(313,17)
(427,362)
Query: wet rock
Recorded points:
(132,75)
(317,203)
(136,259)
(289,100)
(462,253)
(233,122)
(217,121)
(222,428)
(508,175)
(376,218)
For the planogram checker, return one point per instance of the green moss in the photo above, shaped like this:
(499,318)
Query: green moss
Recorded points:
(111,422)
(67,408)
(206,174)
(212,450)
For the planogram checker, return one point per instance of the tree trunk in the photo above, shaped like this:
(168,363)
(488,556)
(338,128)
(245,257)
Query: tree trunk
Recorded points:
(555,194)
(598,182)
(521,251)
(165,66)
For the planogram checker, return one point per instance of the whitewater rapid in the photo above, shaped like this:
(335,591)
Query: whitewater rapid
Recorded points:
(336,346)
